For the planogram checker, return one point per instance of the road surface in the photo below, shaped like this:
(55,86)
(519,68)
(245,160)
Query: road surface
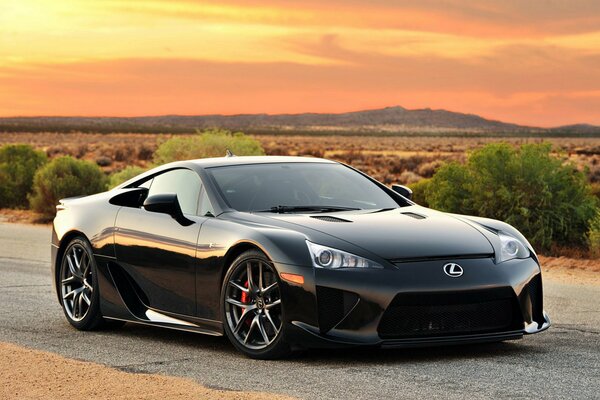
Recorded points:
(563,362)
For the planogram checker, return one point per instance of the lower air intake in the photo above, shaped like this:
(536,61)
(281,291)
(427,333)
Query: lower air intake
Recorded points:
(439,314)
(333,305)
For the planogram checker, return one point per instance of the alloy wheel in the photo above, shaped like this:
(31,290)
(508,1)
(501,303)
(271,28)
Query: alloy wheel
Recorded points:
(253,304)
(77,282)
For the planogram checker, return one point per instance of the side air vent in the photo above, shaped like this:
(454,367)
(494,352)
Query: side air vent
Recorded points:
(534,290)
(333,305)
(328,218)
(414,215)
(133,296)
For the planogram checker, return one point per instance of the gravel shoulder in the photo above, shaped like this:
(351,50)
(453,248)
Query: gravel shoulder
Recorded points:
(34,374)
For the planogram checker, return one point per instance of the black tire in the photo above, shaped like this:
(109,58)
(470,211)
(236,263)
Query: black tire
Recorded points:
(78,267)
(261,311)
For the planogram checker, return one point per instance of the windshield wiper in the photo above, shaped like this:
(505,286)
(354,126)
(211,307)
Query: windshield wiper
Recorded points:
(287,209)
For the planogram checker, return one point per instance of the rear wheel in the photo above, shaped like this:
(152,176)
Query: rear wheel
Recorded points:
(79,294)
(252,307)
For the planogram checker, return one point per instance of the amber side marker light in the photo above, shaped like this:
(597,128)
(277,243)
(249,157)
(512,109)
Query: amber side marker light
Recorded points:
(299,279)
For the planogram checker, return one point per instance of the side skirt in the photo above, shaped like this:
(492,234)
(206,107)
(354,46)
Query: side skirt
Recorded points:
(120,300)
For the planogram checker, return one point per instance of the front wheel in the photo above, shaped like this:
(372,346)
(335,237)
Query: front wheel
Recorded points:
(252,307)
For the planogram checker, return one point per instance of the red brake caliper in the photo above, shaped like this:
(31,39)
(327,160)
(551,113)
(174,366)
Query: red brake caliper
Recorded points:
(245,299)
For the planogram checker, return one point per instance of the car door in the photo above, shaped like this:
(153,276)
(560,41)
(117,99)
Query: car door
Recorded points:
(157,251)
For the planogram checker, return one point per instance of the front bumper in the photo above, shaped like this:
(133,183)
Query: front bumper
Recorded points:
(415,304)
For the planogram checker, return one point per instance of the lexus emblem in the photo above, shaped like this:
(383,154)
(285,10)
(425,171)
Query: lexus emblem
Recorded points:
(453,270)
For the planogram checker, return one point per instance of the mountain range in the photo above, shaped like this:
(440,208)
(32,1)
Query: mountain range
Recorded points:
(386,121)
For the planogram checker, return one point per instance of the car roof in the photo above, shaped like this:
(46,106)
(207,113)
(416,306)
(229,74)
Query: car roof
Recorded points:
(202,163)
(244,160)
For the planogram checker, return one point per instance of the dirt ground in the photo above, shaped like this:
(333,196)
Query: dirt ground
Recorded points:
(22,217)
(579,271)
(57,377)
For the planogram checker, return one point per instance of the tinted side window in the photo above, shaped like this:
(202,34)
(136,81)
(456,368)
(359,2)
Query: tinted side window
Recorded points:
(185,183)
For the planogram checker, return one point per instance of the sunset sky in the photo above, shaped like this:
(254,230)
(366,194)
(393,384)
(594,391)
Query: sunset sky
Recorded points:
(532,62)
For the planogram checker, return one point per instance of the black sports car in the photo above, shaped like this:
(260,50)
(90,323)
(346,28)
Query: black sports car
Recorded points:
(284,253)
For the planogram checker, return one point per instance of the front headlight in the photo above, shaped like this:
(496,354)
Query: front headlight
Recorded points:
(327,257)
(511,247)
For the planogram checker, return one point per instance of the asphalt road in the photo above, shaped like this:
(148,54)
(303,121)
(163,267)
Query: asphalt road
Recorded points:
(563,362)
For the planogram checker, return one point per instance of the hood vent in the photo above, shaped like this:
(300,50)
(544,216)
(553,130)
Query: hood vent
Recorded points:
(414,215)
(329,218)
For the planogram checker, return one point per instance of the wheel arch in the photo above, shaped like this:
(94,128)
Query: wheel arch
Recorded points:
(237,249)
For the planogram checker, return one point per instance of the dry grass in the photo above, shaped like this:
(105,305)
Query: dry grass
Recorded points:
(389,159)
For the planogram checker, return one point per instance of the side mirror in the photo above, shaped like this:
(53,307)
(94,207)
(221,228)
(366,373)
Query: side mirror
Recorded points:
(130,197)
(402,190)
(167,204)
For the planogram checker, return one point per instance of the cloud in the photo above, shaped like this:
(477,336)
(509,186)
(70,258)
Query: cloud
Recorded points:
(156,86)
(491,18)
(516,60)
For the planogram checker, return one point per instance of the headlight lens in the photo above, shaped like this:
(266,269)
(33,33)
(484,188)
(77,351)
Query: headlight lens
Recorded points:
(511,247)
(327,257)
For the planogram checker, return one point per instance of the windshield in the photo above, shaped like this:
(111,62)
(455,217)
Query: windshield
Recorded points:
(268,187)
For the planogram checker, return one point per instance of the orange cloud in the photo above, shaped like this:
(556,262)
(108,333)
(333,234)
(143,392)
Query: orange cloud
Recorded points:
(526,62)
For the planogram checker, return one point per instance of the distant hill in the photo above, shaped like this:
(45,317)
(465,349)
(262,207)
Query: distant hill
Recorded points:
(387,121)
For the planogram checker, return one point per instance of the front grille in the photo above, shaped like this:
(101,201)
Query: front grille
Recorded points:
(456,313)
(333,305)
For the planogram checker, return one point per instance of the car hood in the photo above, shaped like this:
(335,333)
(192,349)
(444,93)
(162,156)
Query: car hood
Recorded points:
(399,234)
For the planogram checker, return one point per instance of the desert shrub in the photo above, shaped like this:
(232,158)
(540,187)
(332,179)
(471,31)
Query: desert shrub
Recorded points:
(427,169)
(419,189)
(314,152)
(594,237)
(209,143)
(81,150)
(122,153)
(18,163)
(119,177)
(408,177)
(145,152)
(103,161)
(64,177)
(278,151)
(546,199)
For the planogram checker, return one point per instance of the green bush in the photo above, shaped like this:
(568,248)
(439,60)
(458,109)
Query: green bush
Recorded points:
(209,143)
(124,175)
(547,200)
(594,237)
(18,163)
(596,190)
(64,177)
(420,190)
